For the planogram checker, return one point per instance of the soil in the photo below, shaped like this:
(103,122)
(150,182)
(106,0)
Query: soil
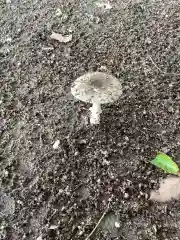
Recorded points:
(61,193)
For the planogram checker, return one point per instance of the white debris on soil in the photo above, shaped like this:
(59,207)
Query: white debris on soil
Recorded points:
(126,195)
(169,189)
(80,232)
(105,162)
(56,144)
(58,12)
(117,225)
(9,39)
(59,37)
(53,227)
(5,173)
(47,48)
(104,4)
(40,237)
(103,69)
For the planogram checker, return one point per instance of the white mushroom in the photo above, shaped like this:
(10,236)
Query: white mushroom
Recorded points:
(96,88)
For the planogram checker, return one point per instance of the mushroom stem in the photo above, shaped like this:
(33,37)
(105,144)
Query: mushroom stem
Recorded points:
(95,112)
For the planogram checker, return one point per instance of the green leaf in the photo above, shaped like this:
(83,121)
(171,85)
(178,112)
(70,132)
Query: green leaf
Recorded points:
(165,163)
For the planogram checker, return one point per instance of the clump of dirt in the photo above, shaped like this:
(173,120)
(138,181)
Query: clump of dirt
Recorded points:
(62,193)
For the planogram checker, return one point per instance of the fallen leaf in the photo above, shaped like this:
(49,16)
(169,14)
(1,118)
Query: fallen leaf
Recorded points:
(164,162)
(59,37)
(169,189)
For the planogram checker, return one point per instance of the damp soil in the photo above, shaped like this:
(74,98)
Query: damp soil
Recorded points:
(53,194)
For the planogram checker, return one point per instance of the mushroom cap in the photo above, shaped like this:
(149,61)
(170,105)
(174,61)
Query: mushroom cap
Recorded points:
(97,86)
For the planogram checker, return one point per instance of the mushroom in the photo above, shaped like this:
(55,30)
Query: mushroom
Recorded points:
(96,88)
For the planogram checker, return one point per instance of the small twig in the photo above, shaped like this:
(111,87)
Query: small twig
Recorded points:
(98,222)
(166,73)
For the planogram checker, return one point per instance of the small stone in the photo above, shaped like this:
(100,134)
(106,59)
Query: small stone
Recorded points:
(146,196)
(148,41)
(58,12)
(165,149)
(64,178)
(126,195)
(154,228)
(117,225)
(56,144)
(105,153)
(126,138)
(76,153)
(9,39)
(99,180)
(171,109)
(19,202)
(53,227)
(82,141)
(6,173)
(59,37)
(103,68)
(60,191)
(80,233)
(105,162)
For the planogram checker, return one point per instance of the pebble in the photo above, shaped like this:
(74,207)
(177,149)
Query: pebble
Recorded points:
(99,180)
(53,227)
(58,12)
(126,195)
(105,162)
(40,237)
(82,141)
(126,138)
(171,109)
(9,39)
(59,37)
(76,153)
(81,232)
(103,68)
(56,144)
(6,173)
(117,225)
(165,149)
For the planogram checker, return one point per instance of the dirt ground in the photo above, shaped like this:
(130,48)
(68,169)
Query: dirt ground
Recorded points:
(61,194)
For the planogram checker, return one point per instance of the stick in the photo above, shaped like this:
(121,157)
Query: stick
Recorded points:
(166,73)
(98,222)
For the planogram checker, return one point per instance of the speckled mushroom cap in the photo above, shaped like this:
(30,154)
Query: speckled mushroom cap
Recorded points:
(97,86)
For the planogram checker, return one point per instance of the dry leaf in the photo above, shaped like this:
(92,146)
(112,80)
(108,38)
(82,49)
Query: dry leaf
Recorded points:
(59,37)
(169,189)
